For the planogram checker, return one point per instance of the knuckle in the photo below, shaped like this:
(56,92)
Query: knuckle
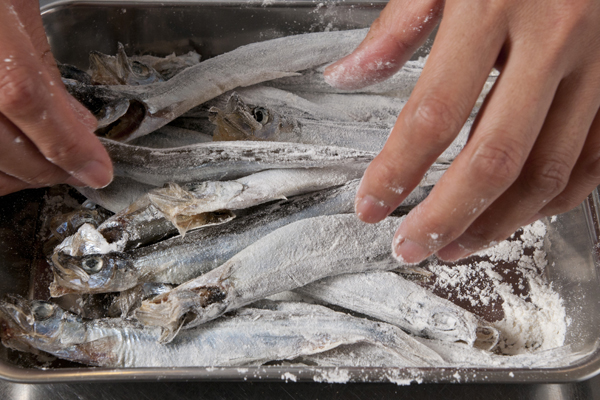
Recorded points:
(498,164)
(548,178)
(20,94)
(436,121)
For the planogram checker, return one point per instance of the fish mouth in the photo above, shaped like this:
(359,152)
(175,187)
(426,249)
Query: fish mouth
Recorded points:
(15,316)
(66,270)
(126,124)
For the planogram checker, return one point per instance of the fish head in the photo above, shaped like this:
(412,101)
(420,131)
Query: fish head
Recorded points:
(29,325)
(92,273)
(240,121)
(120,70)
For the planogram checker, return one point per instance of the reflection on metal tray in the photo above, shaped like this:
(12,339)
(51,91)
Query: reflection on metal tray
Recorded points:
(211,28)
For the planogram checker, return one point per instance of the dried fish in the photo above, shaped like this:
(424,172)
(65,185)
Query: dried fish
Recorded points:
(314,249)
(223,160)
(163,212)
(154,105)
(183,258)
(251,336)
(393,299)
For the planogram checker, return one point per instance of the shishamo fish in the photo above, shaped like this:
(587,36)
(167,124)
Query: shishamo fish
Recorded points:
(172,136)
(180,259)
(223,160)
(163,212)
(289,257)
(251,336)
(118,195)
(393,299)
(152,106)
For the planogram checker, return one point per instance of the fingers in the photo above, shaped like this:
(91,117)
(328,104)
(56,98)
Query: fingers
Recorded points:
(490,162)
(9,184)
(400,29)
(36,103)
(20,159)
(544,175)
(434,114)
(584,178)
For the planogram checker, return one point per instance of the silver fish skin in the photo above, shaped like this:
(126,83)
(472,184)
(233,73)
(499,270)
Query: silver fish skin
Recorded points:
(250,337)
(244,66)
(395,300)
(289,257)
(162,212)
(223,160)
(171,136)
(118,195)
(180,259)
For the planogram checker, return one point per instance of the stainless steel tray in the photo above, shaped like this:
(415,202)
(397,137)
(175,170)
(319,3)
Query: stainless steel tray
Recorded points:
(211,28)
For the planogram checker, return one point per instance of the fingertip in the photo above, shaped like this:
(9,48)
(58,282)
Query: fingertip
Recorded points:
(453,252)
(95,174)
(370,209)
(407,251)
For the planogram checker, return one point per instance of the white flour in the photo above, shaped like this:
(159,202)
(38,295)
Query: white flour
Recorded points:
(507,281)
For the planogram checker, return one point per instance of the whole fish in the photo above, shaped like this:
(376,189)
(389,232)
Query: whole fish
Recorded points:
(395,300)
(163,212)
(251,336)
(223,160)
(180,259)
(241,121)
(154,105)
(288,258)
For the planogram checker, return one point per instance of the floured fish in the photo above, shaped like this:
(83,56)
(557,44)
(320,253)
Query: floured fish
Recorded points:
(251,336)
(288,258)
(393,299)
(152,106)
(163,212)
(180,259)
(118,195)
(172,136)
(170,65)
(223,160)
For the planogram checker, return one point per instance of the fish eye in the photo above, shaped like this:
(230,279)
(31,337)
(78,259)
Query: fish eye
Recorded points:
(92,264)
(140,69)
(261,115)
(42,311)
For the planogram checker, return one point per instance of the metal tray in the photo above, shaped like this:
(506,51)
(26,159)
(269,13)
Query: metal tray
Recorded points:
(211,28)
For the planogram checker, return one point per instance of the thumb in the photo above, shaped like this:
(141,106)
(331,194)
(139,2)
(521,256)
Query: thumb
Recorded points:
(401,28)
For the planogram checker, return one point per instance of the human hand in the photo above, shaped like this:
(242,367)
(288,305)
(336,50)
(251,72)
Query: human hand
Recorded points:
(534,149)
(46,136)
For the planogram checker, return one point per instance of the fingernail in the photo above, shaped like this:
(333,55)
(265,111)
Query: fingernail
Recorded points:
(370,209)
(536,217)
(453,252)
(335,74)
(408,252)
(94,174)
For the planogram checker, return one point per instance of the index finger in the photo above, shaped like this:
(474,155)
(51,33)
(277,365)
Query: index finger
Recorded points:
(32,99)
(461,58)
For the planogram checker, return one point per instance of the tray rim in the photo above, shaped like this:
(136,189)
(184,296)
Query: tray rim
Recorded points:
(586,368)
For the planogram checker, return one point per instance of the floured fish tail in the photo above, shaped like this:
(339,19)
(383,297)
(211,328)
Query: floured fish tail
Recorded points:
(173,310)
(487,337)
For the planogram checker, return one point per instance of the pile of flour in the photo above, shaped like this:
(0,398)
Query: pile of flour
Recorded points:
(506,285)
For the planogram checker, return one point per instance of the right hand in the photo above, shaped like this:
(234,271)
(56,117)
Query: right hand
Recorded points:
(46,136)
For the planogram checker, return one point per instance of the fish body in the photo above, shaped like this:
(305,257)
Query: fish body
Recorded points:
(223,160)
(162,212)
(180,259)
(157,104)
(288,258)
(251,336)
(393,299)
